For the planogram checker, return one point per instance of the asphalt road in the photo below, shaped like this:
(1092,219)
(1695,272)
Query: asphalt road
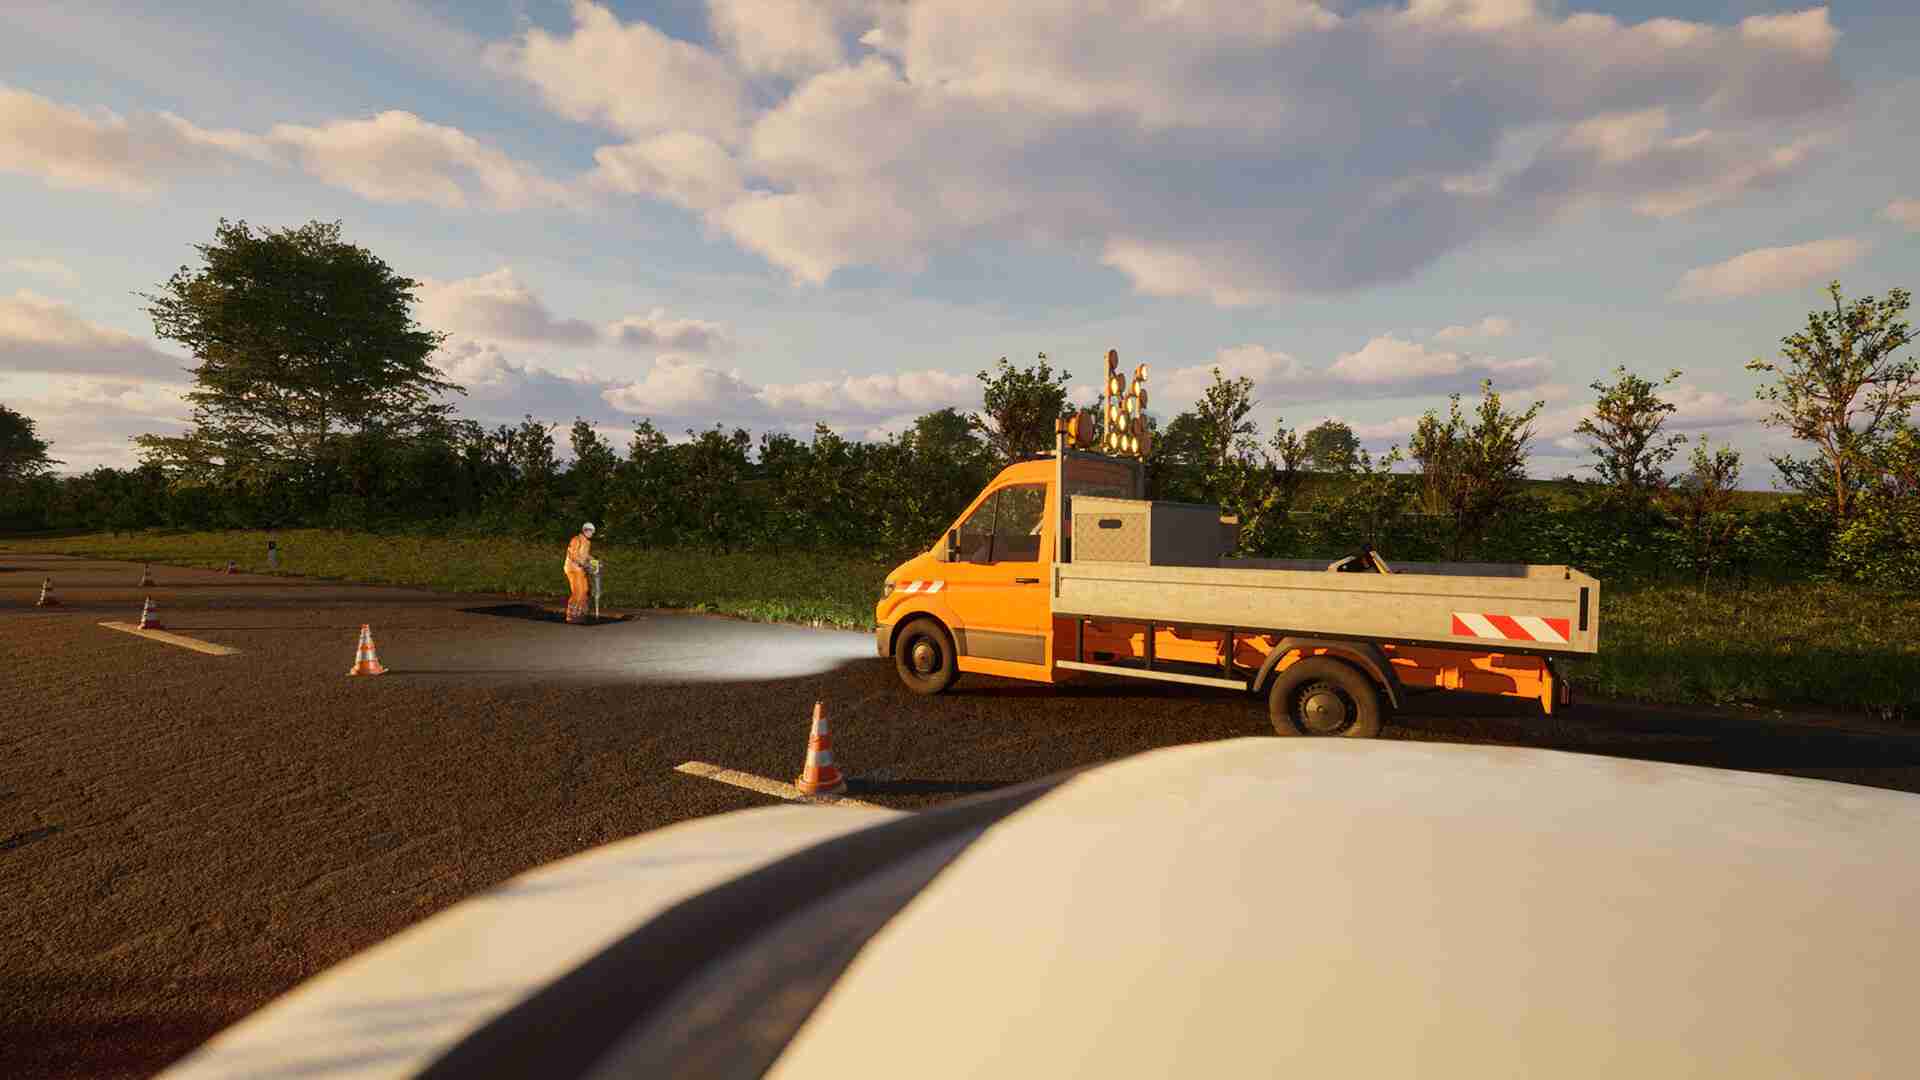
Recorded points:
(184,837)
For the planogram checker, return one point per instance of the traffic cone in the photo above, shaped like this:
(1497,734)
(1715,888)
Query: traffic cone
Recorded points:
(150,616)
(820,776)
(46,594)
(365,660)
(146,574)
(231,568)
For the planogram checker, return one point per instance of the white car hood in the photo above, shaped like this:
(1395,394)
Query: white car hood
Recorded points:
(1243,908)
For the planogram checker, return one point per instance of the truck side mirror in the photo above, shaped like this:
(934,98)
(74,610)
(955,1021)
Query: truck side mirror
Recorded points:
(953,545)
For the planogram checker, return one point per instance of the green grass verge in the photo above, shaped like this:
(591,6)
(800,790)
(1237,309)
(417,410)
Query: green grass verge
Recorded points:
(1821,645)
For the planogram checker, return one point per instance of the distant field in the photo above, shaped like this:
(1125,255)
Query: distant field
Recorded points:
(1775,645)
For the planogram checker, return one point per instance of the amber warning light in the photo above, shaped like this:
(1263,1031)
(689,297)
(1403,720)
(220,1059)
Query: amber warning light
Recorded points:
(1123,408)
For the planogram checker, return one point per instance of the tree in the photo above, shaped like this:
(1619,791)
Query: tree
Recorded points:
(1701,500)
(1265,526)
(1471,471)
(1878,543)
(1625,436)
(300,337)
(594,462)
(1841,389)
(1021,406)
(1371,503)
(23,454)
(1221,414)
(1331,445)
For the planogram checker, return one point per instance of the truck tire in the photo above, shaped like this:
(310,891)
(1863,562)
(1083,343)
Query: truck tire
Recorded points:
(924,656)
(1322,696)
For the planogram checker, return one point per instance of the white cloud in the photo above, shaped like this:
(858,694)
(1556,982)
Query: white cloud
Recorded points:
(1774,269)
(394,156)
(1180,386)
(49,268)
(498,306)
(1904,211)
(1388,360)
(784,37)
(397,157)
(1384,367)
(873,399)
(1807,33)
(658,331)
(1394,430)
(89,421)
(500,388)
(96,149)
(628,77)
(1492,326)
(681,386)
(1699,409)
(680,167)
(1023,120)
(41,334)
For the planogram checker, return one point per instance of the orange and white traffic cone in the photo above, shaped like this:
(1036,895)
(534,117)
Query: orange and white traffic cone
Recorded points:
(365,660)
(150,616)
(146,575)
(46,594)
(820,776)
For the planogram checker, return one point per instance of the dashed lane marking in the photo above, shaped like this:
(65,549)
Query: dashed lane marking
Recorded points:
(181,640)
(767,787)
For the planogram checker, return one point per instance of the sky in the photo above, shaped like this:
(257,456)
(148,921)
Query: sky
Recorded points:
(772,213)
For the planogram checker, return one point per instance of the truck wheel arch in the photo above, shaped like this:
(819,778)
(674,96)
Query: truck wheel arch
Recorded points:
(900,623)
(1364,655)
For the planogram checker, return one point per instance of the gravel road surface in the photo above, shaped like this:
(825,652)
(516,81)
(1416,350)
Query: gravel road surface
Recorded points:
(184,836)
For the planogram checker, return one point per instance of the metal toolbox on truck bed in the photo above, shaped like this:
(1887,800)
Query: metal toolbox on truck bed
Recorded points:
(1141,532)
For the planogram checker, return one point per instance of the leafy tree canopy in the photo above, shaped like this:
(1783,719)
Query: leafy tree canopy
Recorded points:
(300,337)
(1332,445)
(1841,388)
(1021,405)
(23,453)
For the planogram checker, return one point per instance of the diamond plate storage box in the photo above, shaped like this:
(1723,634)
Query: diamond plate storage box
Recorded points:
(1139,532)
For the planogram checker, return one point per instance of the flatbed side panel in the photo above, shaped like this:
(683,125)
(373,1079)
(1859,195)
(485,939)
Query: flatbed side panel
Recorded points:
(1544,613)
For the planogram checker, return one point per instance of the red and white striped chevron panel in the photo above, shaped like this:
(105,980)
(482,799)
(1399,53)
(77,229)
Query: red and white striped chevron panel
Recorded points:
(922,586)
(1487,626)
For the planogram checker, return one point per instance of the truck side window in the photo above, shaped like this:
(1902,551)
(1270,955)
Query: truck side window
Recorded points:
(976,533)
(1016,531)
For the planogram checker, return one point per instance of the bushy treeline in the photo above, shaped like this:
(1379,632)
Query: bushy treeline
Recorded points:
(316,404)
(722,490)
(716,489)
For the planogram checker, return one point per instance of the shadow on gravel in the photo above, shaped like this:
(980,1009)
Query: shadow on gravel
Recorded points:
(1754,743)
(28,837)
(536,613)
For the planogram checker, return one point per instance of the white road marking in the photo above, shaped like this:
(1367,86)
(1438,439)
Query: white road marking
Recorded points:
(184,642)
(767,787)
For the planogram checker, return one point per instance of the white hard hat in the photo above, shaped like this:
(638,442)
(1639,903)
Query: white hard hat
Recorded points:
(587,528)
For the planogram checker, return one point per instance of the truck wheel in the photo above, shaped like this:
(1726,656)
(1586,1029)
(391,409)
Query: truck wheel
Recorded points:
(1322,696)
(924,656)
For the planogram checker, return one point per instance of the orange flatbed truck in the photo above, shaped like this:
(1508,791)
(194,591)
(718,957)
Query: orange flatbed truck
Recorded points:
(1028,585)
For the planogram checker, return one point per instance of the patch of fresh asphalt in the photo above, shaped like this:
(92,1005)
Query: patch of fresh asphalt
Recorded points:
(184,836)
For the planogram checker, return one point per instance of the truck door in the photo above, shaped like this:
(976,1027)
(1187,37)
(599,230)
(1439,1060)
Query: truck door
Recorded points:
(998,589)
